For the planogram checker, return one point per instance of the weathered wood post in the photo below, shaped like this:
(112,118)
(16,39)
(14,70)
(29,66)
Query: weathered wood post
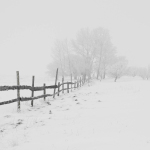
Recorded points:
(32,94)
(62,84)
(44,90)
(77,83)
(84,78)
(71,82)
(18,92)
(55,82)
(58,88)
(67,87)
(80,81)
(74,84)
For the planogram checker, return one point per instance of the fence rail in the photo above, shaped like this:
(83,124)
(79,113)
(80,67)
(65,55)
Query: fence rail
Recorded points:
(26,87)
(43,88)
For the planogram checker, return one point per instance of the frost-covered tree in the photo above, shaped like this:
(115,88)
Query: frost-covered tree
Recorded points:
(95,48)
(91,52)
(76,64)
(104,50)
(143,73)
(61,57)
(148,72)
(118,68)
(101,38)
(83,47)
(132,71)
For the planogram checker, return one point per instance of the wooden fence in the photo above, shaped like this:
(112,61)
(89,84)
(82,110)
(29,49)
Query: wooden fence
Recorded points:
(60,87)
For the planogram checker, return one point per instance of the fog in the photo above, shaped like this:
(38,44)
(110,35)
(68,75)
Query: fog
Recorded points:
(29,28)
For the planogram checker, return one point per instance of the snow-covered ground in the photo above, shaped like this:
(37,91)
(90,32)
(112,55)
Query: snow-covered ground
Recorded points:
(106,115)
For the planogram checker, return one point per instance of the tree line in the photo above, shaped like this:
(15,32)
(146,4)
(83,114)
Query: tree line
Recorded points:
(91,54)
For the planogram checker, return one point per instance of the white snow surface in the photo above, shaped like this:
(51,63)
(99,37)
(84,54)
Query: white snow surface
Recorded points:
(104,115)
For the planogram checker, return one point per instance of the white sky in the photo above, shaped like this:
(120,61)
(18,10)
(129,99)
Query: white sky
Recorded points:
(28,29)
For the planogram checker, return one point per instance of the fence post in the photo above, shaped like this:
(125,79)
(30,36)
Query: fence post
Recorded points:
(80,81)
(77,83)
(67,87)
(74,84)
(58,88)
(55,82)
(62,84)
(88,79)
(44,90)
(18,92)
(32,94)
(71,82)
(84,78)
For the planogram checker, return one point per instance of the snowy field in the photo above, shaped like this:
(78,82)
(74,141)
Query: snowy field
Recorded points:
(106,115)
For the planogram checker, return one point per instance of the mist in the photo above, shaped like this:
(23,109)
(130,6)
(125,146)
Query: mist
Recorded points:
(29,29)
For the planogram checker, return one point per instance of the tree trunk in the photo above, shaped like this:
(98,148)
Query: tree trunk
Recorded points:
(115,79)
(104,75)
(97,74)
(98,67)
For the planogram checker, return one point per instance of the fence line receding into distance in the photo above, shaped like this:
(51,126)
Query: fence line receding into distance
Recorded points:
(60,88)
